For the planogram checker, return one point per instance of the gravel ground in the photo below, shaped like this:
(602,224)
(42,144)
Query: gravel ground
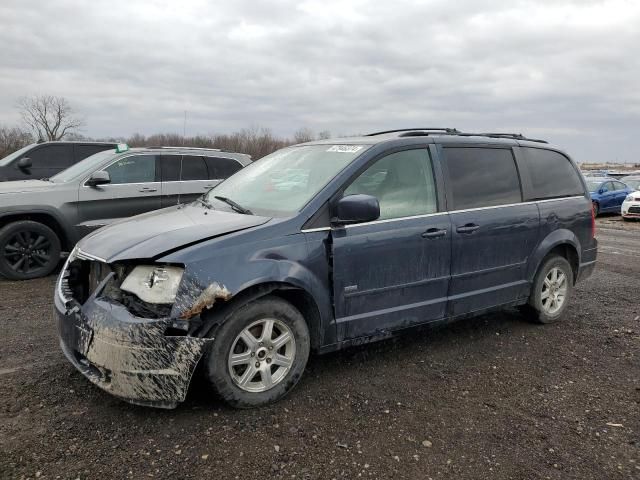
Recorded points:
(491,397)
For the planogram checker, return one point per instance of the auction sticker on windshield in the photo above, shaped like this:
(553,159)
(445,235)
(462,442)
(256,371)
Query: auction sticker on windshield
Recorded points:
(345,148)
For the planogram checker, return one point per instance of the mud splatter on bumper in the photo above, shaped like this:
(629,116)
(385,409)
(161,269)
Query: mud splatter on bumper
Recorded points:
(129,357)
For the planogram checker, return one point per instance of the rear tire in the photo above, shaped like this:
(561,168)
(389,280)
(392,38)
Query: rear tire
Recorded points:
(250,367)
(551,291)
(28,250)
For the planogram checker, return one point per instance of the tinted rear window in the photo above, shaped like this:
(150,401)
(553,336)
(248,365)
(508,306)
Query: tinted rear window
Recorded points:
(552,174)
(220,168)
(52,156)
(194,168)
(84,151)
(482,177)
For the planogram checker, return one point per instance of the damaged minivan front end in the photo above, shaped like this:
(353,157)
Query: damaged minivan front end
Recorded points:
(123,328)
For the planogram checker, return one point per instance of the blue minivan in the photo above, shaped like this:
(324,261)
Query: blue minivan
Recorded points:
(320,246)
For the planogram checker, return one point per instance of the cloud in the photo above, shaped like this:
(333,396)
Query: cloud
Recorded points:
(563,70)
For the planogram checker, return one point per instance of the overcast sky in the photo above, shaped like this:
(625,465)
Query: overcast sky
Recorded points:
(567,71)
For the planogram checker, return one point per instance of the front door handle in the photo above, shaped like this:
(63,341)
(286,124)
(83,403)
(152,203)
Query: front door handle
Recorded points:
(434,233)
(468,228)
(148,189)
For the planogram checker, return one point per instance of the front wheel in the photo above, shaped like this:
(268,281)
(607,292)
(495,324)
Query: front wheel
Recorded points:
(258,355)
(28,250)
(551,290)
(596,208)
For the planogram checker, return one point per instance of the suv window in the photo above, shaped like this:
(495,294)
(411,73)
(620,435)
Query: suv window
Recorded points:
(133,169)
(618,186)
(170,167)
(194,168)
(221,168)
(84,151)
(552,174)
(402,182)
(482,177)
(51,156)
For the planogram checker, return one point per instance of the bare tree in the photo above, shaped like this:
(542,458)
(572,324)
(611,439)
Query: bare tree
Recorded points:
(50,118)
(12,139)
(303,135)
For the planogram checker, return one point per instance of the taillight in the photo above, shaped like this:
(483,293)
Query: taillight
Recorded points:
(593,224)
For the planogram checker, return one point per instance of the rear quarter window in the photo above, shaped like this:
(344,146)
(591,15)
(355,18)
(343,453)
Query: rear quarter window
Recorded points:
(482,177)
(552,174)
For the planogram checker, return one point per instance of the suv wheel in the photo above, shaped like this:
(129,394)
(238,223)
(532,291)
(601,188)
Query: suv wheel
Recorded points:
(259,353)
(28,250)
(551,290)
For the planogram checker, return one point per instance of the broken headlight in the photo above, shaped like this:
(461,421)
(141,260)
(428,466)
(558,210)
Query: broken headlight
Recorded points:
(153,284)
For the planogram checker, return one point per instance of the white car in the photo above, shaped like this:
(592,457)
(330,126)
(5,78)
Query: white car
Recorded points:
(631,206)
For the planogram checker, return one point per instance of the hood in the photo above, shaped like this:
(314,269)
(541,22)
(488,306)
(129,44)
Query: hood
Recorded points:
(25,186)
(152,234)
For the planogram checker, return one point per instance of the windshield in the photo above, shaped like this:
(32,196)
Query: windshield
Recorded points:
(593,186)
(282,183)
(12,156)
(83,167)
(633,183)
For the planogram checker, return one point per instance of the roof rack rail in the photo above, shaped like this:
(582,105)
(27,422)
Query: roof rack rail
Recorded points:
(407,132)
(184,148)
(435,129)
(514,136)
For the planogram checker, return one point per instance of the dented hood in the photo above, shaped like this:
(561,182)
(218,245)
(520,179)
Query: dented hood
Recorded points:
(155,233)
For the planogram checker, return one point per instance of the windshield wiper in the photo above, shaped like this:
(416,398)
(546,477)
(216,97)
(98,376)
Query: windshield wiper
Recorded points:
(204,202)
(236,206)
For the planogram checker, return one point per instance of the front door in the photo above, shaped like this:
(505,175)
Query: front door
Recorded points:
(394,272)
(134,189)
(493,231)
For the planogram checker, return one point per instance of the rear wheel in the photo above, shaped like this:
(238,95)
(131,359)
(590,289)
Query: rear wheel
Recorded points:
(551,291)
(259,353)
(28,250)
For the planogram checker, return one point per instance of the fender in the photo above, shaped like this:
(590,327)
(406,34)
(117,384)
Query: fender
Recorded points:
(27,210)
(552,240)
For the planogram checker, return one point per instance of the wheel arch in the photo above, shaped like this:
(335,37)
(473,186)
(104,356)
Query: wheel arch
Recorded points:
(560,242)
(40,216)
(298,296)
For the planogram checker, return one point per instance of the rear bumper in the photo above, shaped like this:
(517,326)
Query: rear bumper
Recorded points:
(129,357)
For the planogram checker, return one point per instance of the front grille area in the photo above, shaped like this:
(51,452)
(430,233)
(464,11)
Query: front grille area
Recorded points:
(634,209)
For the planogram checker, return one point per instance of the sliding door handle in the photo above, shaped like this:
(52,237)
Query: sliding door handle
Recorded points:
(148,189)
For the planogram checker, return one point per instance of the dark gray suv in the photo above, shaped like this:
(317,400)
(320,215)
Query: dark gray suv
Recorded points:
(320,246)
(39,219)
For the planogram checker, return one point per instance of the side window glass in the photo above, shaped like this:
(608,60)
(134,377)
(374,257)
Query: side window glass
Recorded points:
(194,168)
(551,173)
(170,167)
(52,156)
(482,177)
(221,168)
(134,169)
(618,185)
(402,182)
(84,151)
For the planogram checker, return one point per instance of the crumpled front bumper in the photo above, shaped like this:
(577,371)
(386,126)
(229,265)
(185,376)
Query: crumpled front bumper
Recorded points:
(129,357)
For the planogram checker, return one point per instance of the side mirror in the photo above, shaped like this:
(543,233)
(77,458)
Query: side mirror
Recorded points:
(100,177)
(603,190)
(357,209)
(25,164)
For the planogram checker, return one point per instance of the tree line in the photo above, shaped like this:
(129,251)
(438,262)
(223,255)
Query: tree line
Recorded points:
(50,118)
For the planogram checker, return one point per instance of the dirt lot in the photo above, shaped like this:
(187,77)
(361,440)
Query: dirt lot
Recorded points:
(492,397)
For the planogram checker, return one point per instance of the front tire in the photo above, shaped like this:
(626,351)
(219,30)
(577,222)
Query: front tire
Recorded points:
(259,353)
(28,250)
(551,291)
(596,208)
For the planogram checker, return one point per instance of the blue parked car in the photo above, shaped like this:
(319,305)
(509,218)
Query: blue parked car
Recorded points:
(607,194)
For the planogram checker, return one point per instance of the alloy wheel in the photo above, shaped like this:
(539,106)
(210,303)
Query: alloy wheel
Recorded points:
(27,251)
(554,290)
(261,355)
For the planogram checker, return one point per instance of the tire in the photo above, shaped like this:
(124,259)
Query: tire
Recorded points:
(19,260)
(596,208)
(537,309)
(231,339)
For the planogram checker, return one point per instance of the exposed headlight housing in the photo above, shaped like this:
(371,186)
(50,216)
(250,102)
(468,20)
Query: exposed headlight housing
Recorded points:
(153,283)
(629,198)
